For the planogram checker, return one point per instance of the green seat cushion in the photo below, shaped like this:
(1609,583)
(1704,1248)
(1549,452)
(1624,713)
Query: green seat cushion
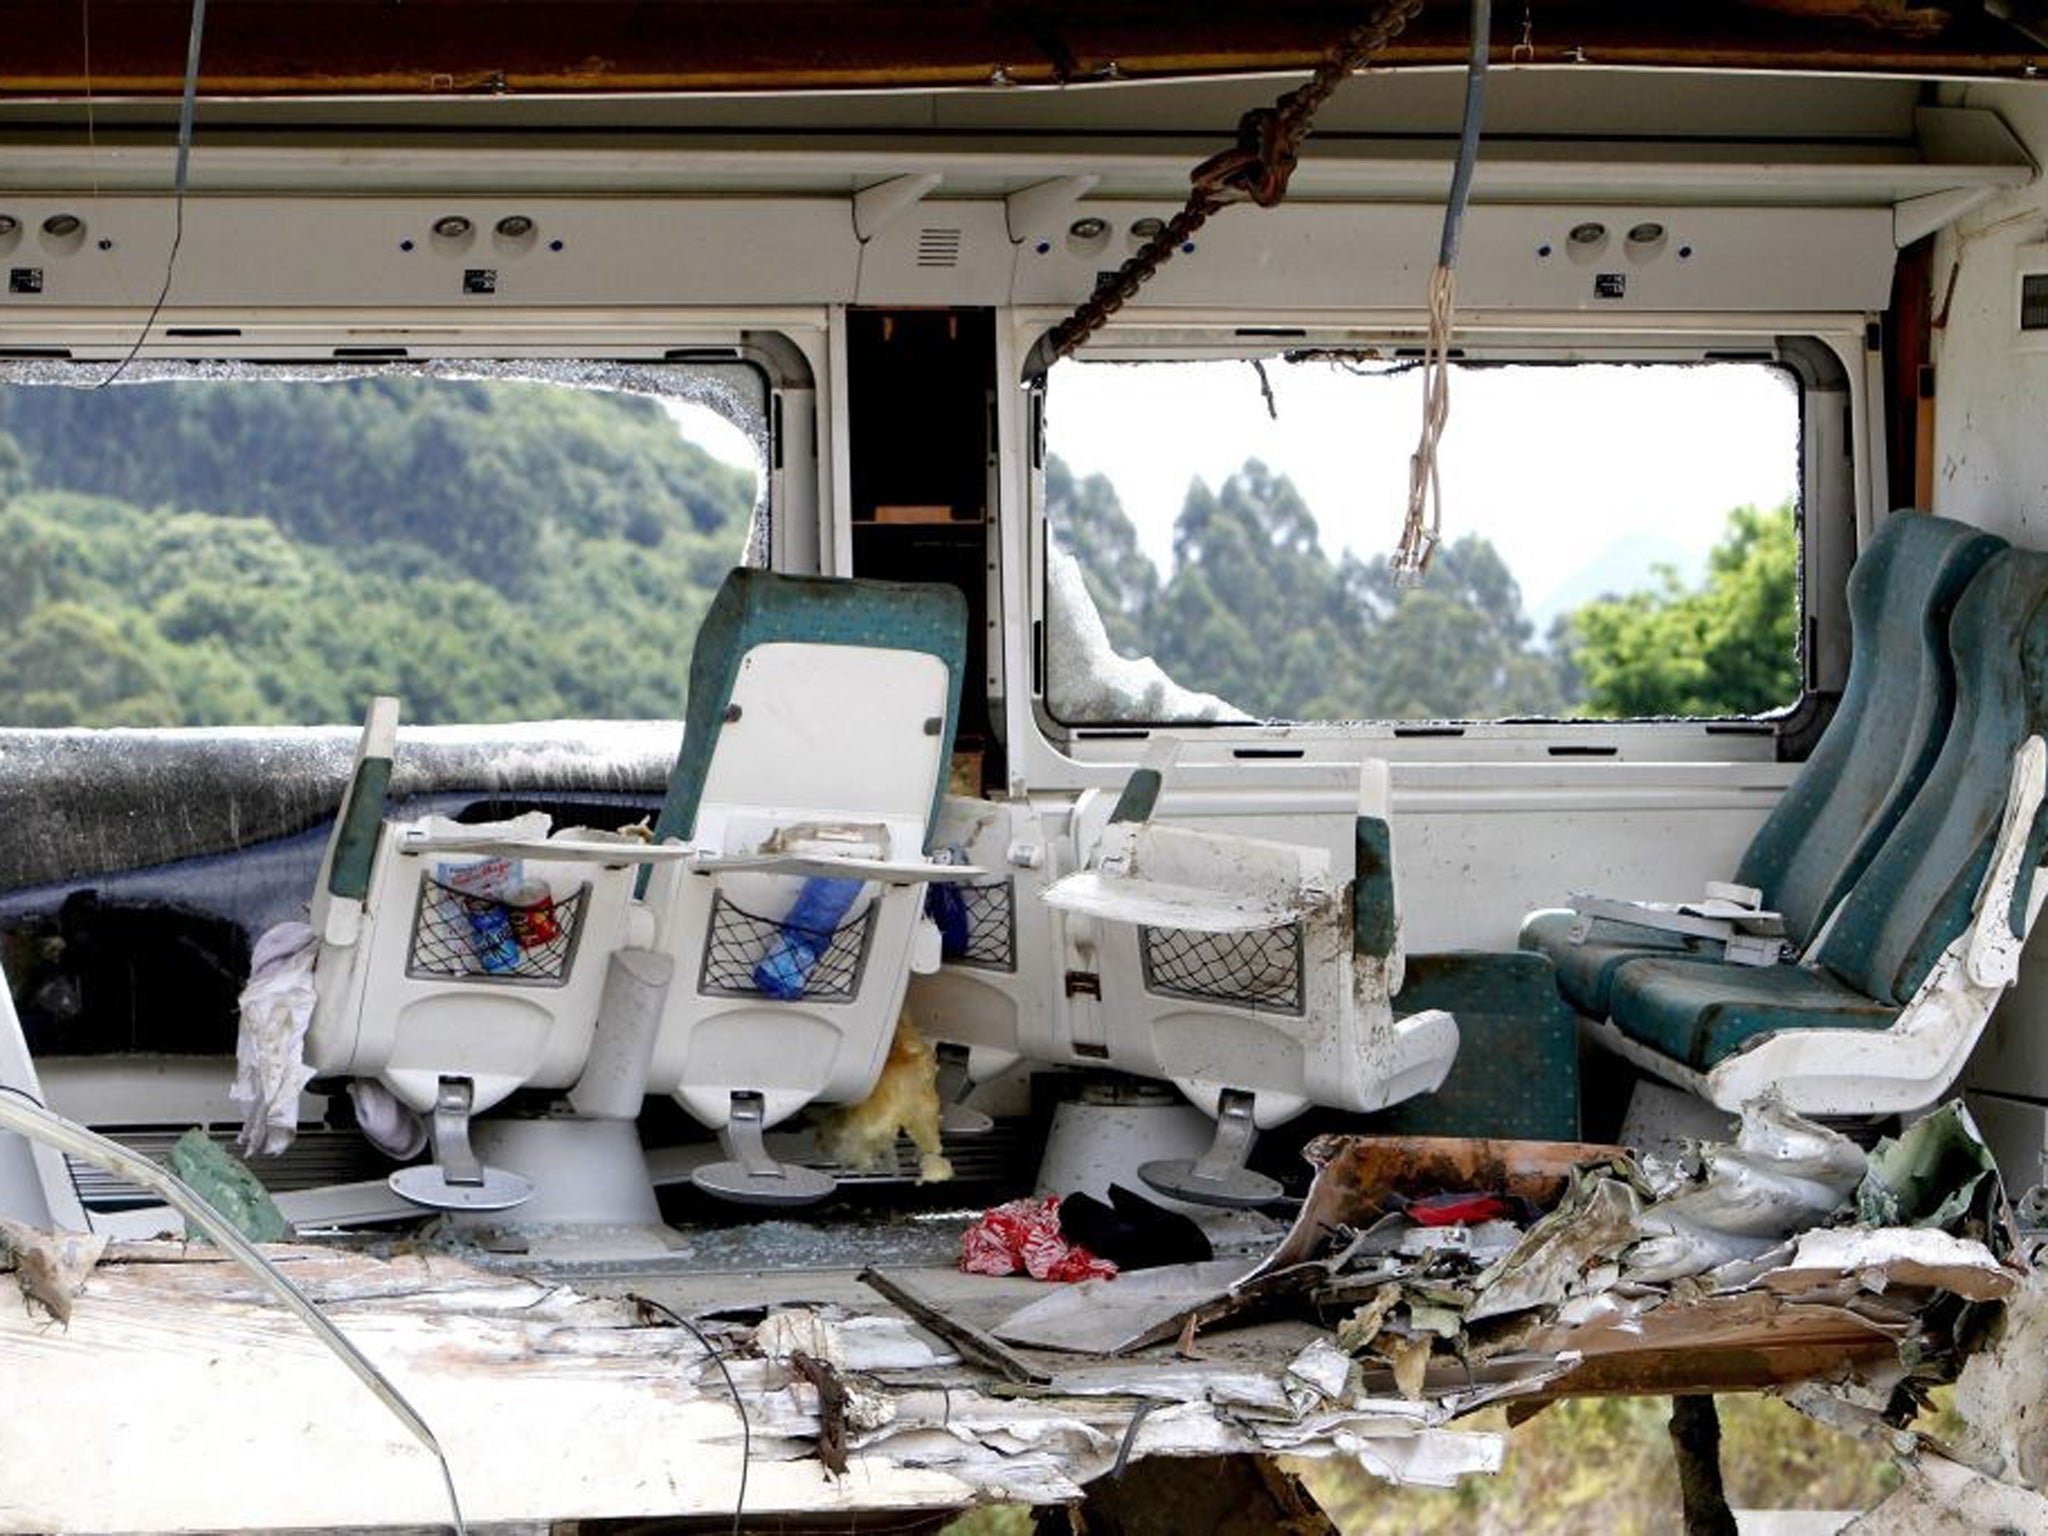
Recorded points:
(1586,971)
(1517,1072)
(1699,1012)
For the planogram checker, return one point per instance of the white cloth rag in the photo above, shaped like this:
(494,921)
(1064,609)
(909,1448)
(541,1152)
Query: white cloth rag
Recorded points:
(270,1047)
(388,1124)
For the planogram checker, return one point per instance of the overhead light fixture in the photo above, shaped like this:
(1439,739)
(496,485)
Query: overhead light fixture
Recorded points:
(62,226)
(1088,228)
(1646,234)
(1588,234)
(515,226)
(452,226)
(8,225)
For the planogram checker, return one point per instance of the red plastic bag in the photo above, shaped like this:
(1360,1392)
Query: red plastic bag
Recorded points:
(1025,1235)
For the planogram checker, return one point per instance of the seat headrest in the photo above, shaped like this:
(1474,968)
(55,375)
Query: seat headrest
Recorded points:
(754,608)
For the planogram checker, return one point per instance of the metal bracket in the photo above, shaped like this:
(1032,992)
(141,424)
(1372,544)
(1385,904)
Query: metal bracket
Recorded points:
(1219,1175)
(955,1118)
(751,1176)
(455,1180)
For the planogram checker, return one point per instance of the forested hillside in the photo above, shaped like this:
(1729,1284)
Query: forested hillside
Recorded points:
(1257,611)
(270,552)
(215,553)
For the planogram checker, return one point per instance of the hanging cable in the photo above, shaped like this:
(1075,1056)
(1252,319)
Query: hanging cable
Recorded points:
(188,104)
(1424,523)
(1255,170)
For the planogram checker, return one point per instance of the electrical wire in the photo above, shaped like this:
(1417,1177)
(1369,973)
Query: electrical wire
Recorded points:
(1423,525)
(188,103)
(739,1403)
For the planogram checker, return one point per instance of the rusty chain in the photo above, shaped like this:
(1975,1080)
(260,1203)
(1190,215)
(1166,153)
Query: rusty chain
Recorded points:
(1254,170)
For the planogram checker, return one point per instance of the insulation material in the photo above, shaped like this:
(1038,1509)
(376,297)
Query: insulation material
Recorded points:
(862,1137)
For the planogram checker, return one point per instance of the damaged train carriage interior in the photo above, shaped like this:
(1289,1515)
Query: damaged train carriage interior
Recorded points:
(1048,756)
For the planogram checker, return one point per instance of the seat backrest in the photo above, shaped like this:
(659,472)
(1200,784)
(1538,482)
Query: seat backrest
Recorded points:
(826,683)
(1916,896)
(1888,729)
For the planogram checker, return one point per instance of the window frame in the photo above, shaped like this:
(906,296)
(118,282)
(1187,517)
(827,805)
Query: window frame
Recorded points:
(1829,511)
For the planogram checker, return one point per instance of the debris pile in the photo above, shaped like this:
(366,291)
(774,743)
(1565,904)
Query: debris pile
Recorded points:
(1444,1266)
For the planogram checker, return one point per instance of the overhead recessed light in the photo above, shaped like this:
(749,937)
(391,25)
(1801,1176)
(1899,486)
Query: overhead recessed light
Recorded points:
(1646,234)
(1089,228)
(452,226)
(8,224)
(62,226)
(515,226)
(1588,234)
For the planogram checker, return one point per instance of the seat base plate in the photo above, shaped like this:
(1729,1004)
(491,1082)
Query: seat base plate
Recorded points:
(788,1184)
(426,1184)
(1236,1188)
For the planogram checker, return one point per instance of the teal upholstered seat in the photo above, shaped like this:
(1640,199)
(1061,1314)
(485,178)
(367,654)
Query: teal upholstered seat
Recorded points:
(1697,1011)
(754,608)
(1915,895)
(1883,740)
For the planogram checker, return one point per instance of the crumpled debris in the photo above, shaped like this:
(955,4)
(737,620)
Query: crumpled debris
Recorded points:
(1556,1256)
(50,1267)
(1783,1175)
(270,1044)
(1025,1235)
(1937,1173)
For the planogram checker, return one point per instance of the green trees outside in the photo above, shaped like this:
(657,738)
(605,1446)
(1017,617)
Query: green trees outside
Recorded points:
(245,552)
(270,553)
(1256,611)
(1715,650)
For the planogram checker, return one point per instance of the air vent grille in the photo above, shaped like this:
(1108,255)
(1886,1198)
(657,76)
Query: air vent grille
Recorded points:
(938,247)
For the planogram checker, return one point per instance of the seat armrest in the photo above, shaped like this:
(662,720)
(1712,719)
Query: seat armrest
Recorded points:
(564,850)
(829,866)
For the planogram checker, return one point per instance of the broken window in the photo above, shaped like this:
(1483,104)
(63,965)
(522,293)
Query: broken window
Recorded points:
(1620,541)
(233,546)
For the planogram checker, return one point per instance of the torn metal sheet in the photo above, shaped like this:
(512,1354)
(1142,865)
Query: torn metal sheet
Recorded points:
(1560,1255)
(1938,1173)
(1110,1317)
(1879,1258)
(1783,1175)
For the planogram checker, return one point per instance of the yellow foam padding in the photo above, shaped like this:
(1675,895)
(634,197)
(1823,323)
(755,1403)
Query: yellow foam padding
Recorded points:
(862,1137)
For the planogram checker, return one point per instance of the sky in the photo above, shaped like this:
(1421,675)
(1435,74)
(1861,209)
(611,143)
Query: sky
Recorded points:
(1583,477)
(1579,475)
